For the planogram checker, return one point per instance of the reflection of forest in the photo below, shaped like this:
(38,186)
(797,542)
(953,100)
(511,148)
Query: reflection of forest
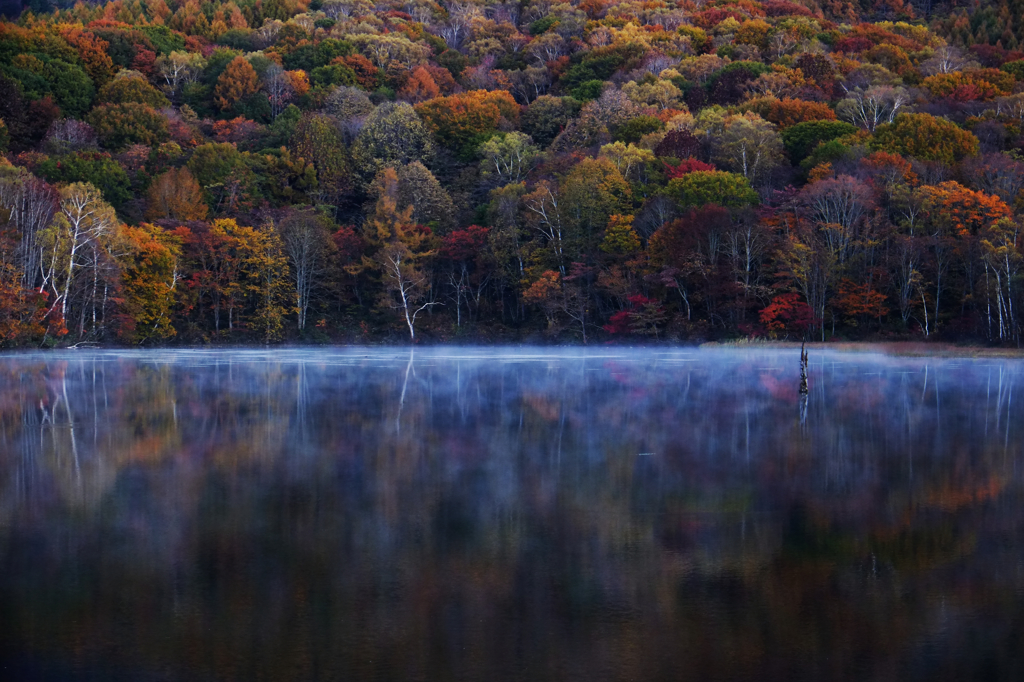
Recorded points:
(357,516)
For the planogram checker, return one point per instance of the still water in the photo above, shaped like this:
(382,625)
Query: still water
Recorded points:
(471,514)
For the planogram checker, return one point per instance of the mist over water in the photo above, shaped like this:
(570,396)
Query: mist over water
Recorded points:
(509,514)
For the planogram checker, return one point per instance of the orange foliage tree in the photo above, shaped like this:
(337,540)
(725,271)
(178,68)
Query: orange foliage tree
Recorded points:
(961,211)
(22,311)
(176,194)
(788,112)
(238,81)
(457,119)
(93,53)
(546,293)
(966,86)
(860,300)
(419,87)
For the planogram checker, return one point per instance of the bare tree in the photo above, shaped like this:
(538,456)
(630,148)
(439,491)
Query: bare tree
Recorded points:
(838,205)
(278,87)
(406,283)
(179,69)
(946,59)
(69,135)
(308,245)
(872,107)
(31,204)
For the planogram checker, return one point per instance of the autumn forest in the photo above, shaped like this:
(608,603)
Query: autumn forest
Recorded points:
(252,171)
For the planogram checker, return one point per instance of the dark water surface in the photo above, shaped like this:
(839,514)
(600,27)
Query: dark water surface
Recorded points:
(465,514)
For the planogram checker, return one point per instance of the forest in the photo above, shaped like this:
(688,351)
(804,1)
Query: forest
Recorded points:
(255,171)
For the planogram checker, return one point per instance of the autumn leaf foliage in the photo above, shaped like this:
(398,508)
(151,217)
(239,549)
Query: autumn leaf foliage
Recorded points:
(787,314)
(238,81)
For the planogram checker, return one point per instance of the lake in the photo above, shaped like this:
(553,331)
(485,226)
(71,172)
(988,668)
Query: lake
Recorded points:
(509,514)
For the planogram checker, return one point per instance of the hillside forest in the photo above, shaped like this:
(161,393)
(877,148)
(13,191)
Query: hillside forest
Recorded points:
(181,172)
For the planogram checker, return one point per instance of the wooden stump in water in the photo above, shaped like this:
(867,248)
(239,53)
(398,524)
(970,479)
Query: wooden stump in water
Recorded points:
(803,369)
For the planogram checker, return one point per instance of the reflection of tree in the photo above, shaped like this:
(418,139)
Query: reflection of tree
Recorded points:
(243,515)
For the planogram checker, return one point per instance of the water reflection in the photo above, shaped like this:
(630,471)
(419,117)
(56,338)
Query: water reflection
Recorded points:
(471,514)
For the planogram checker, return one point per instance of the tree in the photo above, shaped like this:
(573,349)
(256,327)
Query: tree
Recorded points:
(635,129)
(787,314)
(731,190)
(317,140)
(688,252)
(631,161)
(221,170)
(464,250)
(575,295)
(392,48)
(958,211)
(945,59)
(69,135)
(430,203)
(620,239)
(837,206)
(660,94)
(71,244)
(179,69)
(598,119)
(238,81)
(121,125)
(872,107)
(456,120)
(175,194)
(686,166)
(420,87)
(790,112)
(278,86)
(967,86)
(1002,258)
(333,74)
(70,86)
(264,268)
(347,103)
(402,249)
(592,192)
(21,310)
(150,276)
(801,138)
(927,138)
(30,205)
(130,86)
(95,168)
(642,316)
(546,117)
(546,293)
(307,241)
(811,267)
(250,269)
(679,144)
(860,300)
(508,157)
(211,285)
(92,51)
(393,135)
(997,174)
(14,111)
(367,75)
(749,145)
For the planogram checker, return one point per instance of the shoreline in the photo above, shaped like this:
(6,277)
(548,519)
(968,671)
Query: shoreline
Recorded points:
(890,348)
(893,348)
